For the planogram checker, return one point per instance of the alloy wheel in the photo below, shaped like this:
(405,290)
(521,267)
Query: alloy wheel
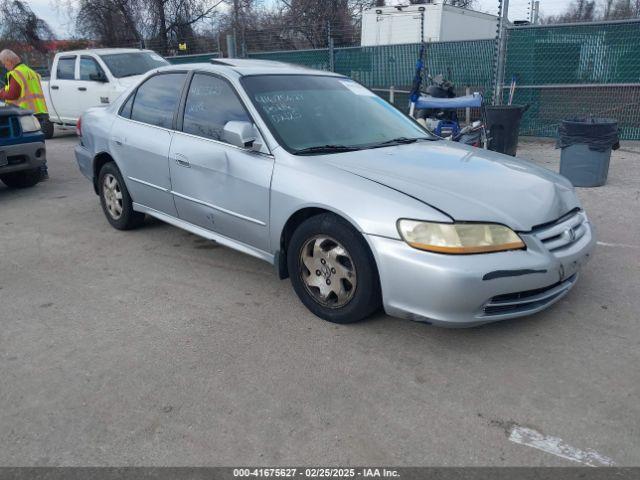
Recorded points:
(327,271)
(112,195)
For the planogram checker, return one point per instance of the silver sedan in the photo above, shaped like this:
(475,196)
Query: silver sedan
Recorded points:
(341,192)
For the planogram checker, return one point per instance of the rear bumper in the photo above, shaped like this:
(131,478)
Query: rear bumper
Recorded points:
(22,156)
(85,161)
(468,290)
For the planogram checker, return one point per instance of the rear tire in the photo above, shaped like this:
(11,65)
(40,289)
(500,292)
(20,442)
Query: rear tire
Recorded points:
(22,179)
(332,270)
(115,199)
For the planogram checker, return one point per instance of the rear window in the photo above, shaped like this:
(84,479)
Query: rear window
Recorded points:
(66,68)
(156,99)
(133,63)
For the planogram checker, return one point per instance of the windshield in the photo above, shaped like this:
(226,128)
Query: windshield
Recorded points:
(316,114)
(132,63)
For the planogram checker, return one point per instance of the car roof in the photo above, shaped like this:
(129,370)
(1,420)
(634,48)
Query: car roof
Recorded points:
(104,51)
(245,67)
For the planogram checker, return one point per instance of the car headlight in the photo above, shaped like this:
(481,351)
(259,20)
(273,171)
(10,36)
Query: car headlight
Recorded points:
(29,123)
(459,238)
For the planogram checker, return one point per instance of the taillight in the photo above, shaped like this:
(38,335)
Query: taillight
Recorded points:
(79,127)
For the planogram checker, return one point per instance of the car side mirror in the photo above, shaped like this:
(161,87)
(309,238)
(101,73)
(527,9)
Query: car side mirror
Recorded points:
(242,135)
(98,77)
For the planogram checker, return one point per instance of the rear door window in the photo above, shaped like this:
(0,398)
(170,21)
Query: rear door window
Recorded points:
(66,68)
(211,103)
(156,99)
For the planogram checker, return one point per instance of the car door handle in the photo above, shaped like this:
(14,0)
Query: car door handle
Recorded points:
(181,160)
(54,87)
(82,89)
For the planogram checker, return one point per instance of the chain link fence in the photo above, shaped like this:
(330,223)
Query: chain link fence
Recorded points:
(560,71)
(576,70)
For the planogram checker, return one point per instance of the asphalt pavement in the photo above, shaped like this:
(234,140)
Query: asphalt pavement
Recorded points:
(156,347)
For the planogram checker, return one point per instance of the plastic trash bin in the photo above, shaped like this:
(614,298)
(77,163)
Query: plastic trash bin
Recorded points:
(586,145)
(503,123)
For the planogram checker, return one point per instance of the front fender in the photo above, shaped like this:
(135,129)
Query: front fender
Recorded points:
(370,207)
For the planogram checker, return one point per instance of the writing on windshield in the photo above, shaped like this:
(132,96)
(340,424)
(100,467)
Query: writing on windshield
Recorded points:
(316,114)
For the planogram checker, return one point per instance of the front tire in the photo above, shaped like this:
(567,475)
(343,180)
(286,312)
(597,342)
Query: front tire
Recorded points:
(22,179)
(47,128)
(332,270)
(115,199)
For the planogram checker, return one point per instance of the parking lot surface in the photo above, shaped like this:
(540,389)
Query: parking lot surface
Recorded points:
(156,347)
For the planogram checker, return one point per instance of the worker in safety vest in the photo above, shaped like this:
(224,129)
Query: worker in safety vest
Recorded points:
(23,89)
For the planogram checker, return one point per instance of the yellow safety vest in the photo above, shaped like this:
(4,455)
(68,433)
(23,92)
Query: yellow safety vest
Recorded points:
(31,96)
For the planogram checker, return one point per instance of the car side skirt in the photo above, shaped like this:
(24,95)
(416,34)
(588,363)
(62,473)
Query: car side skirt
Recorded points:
(201,232)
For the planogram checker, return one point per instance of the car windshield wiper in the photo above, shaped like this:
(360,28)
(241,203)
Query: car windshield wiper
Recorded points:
(396,141)
(325,149)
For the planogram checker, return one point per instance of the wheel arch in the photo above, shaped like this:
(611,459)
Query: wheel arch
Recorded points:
(99,161)
(295,220)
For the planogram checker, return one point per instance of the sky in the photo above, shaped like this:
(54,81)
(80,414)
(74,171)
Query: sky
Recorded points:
(518,10)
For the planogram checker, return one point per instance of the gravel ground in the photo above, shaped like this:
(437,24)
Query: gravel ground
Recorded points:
(155,347)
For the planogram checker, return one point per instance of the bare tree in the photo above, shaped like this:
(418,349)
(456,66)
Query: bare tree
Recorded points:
(171,20)
(111,22)
(593,10)
(18,23)
(621,9)
(578,11)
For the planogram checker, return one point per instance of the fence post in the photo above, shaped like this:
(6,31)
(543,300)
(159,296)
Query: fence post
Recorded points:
(467,113)
(231,45)
(501,50)
(392,94)
(332,66)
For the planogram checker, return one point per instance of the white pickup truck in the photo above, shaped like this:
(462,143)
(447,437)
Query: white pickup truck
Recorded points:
(88,78)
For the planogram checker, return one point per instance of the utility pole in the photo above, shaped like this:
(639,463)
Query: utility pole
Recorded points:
(503,20)
(536,12)
(236,24)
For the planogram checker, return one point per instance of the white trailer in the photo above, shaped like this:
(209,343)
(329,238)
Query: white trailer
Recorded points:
(399,24)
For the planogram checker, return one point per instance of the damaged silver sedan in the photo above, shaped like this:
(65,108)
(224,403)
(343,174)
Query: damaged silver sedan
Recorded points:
(341,192)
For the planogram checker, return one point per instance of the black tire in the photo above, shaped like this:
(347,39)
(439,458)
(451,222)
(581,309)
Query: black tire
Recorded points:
(47,128)
(22,179)
(365,297)
(128,218)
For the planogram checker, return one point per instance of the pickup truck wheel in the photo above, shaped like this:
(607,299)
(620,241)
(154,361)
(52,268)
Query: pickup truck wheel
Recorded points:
(115,199)
(47,128)
(332,270)
(23,179)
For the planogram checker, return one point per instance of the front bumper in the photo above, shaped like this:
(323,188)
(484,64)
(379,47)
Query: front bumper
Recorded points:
(468,290)
(22,156)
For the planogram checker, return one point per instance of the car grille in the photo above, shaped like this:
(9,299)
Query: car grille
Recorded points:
(522,302)
(564,232)
(9,127)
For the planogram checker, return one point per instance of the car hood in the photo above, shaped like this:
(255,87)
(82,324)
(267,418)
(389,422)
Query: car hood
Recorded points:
(466,183)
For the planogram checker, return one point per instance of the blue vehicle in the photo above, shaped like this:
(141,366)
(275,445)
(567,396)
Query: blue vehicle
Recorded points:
(22,149)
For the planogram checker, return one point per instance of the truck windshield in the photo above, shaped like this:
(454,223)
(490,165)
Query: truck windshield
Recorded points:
(314,114)
(132,63)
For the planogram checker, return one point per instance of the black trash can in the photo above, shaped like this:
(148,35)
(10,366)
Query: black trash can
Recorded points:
(503,123)
(586,145)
